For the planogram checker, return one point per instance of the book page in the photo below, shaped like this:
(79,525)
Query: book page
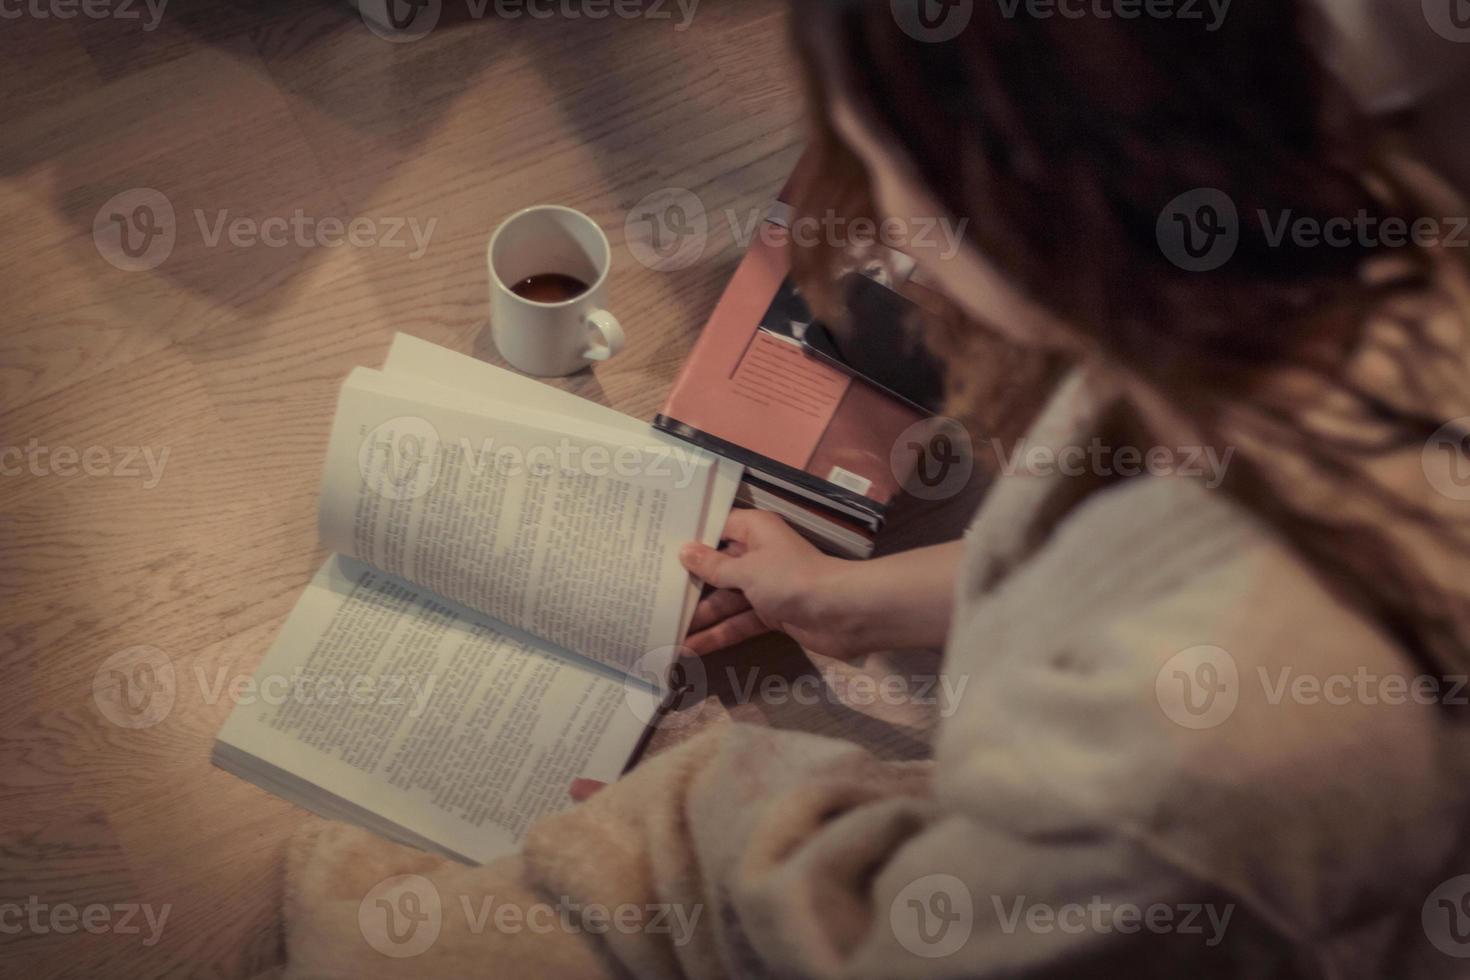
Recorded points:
(414,357)
(570,536)
(444,725)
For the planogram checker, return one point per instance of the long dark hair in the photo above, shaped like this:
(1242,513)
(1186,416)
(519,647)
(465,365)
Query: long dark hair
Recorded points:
(1063,141)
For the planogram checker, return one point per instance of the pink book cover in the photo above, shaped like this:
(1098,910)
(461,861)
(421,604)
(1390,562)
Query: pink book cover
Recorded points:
(755,395)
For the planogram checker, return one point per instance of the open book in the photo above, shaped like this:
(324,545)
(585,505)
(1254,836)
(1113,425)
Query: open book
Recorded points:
(500,613)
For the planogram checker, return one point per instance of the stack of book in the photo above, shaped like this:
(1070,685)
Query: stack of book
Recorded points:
(816,441)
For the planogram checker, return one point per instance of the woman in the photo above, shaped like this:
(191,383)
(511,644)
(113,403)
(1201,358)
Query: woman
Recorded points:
(1207,732)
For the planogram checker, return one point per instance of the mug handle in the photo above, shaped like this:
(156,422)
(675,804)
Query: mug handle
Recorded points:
(610,335)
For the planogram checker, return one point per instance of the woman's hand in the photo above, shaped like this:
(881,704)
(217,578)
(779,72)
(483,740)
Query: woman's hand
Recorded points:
(767,578)
(770,578)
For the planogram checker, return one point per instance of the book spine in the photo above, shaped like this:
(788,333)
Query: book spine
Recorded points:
(846,503)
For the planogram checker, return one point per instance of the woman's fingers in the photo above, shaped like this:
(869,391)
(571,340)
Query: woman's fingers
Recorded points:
(748,526)
(726,633)
(708,565)
(718,605)
(738,524)
(584,788)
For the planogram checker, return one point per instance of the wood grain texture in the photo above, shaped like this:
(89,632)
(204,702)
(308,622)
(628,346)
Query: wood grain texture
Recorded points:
(228,358)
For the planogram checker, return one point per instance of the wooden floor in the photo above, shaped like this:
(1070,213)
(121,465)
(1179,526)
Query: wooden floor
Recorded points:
(228,357)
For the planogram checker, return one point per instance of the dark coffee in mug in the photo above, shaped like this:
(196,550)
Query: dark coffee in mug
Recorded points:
(550,287)
(552,324)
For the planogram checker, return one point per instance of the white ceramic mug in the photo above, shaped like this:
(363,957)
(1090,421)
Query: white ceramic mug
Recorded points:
(551,339)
